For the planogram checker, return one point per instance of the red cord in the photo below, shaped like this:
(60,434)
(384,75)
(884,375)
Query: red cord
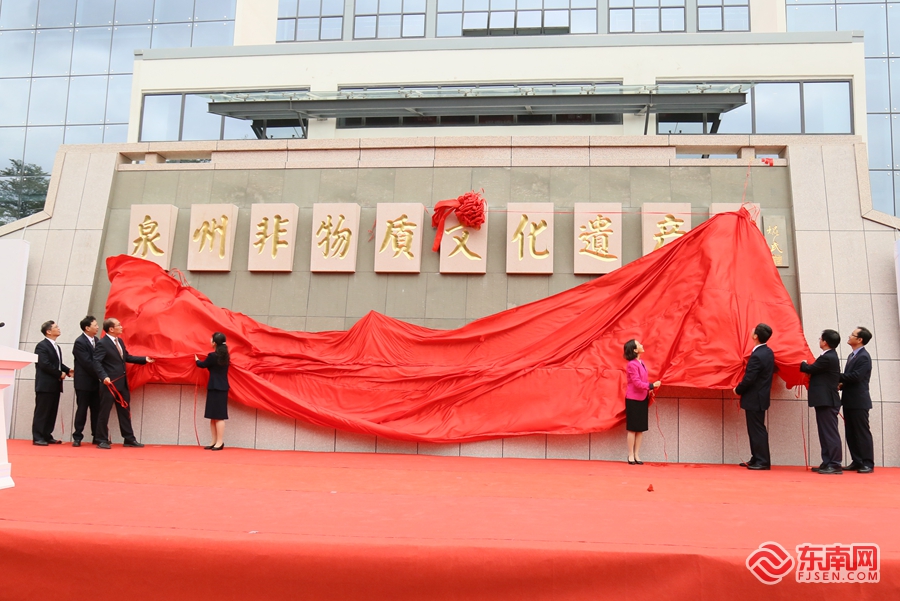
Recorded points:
(658,427)
(196,435)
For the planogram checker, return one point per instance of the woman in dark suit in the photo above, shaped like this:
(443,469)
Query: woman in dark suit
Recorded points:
(217,390)
(637,397)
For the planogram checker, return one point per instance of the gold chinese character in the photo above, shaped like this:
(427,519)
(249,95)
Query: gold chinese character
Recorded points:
(207,233)
(668,229)
(774,247)
(336,240)
(461,244)
(263,235)
(399,235)
(519,236)
(595,237)
(147,237)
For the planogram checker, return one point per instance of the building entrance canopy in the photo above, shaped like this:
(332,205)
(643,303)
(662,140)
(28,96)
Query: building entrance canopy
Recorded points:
(481,100)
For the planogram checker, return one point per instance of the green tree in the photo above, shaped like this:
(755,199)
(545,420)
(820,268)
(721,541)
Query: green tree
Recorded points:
(23,190)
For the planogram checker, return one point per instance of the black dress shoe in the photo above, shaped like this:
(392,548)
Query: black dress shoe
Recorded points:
(865,470)
(852,467)
(40,443)
(132,443)
(831,470)
(746,463)
(218,448)
(54,441)
(756,466)
(76,443)
(207,448)
(639,462)
(103,445)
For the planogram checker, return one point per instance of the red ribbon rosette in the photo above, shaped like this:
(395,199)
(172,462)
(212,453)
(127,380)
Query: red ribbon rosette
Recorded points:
(470,209)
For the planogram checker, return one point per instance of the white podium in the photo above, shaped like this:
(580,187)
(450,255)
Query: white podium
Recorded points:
(10,360)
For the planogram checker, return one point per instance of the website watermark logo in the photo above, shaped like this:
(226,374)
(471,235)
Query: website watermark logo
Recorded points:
(836,563)
(770,563)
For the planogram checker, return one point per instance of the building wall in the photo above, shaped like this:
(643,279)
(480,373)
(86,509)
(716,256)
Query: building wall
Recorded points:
(843,273)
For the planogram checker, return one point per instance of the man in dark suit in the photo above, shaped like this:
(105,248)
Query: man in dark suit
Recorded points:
(110,358)
(824,376)
(48,385)
(755,390)
(857,402)
(87,384)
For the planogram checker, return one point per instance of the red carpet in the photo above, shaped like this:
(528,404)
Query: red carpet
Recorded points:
(166,523)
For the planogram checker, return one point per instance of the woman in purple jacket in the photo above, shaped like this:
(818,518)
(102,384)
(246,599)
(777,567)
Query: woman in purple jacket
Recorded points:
(637,397)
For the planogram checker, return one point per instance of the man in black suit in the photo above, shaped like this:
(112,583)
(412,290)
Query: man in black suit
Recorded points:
(110,358)
(857,402)
(48,385)
(755,390)
(87,384)
(824,376)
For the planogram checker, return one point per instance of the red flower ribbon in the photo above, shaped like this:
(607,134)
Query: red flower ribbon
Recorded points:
(470,209)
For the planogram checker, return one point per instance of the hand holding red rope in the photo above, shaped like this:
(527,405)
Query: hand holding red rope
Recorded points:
(469,209)
(116,395)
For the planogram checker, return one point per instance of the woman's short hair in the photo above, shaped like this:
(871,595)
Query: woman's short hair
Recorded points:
(631,350)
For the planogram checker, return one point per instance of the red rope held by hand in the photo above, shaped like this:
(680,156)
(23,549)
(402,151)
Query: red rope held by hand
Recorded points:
(469,208)
(116,395)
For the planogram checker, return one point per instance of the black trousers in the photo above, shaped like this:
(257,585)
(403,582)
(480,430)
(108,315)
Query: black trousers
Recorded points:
(86,400)
(46,407)
(101,434)
(859,437)
(829,437)
(759,437)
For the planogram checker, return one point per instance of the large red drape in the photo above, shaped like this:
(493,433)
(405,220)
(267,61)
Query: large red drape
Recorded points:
(551,366)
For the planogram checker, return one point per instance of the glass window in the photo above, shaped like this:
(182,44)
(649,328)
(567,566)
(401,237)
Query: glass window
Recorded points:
(556,18)
(17,50)
(620,21)
(286,30)
(238,129)
(47,105)
(213,34)
(307,29)
(502,20)
(882,185)
(173,11)
(117,134)
(584,21)
(417,6)
(162,118)
(12,145)
(332,28)
(87,99)
(335,8)
(55,13)
(646,20)
(41,144)
(287,8)
(364,27)
(95,12)
(445,6)
(737,18)
(90,52)
(737,121)
(214,10)
(176,35)
(366,7)
(811,18)
(870,18)
(389,26)
(672,19)
(52,52)
(879,141)
(18,15)
(709,19)
(308,8)
(413,26)
(826,107)
(14,101)
(893,15)
(448,25)
(134,12)
(526,19)
(118,99)
(896,192)
(895,131)
(199,124)
(84,134)
(124,42)
(777,108)
(895,85)
(878,97)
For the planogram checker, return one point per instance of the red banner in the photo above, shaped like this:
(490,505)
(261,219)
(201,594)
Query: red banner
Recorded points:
(552,366)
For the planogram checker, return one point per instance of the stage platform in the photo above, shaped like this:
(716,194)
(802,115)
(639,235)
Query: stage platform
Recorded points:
(170,523)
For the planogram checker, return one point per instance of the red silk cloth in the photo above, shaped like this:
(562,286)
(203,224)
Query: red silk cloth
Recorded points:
(551,366)
(469,209)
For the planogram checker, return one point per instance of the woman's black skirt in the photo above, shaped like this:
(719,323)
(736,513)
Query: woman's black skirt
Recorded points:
(636,415)
(216,404)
